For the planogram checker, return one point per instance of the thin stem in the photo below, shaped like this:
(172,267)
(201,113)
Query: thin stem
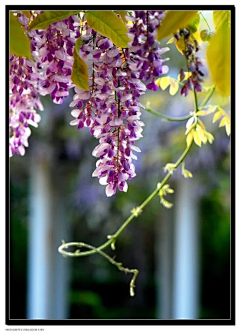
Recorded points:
(112,238)
(110,259)
(165,117)
(195,100)
(207,98)
(205,20)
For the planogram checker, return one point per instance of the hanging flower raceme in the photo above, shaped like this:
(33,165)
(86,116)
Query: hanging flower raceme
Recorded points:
(52,49)
(111,110)
(145,51)
(23,102)
(194,63)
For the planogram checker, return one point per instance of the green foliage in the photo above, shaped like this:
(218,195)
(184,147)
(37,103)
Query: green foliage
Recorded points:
(174,20)
(225,121)
(194,24)
(110,25)
(219,53)
(19,42)
(123,14)
(80,70)
(186,173)
(42,21)
(163,192)
(221,18)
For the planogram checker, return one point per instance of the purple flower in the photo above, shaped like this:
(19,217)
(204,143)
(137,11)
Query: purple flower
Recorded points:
(23,103)
(144,50)
(53,52)
(111,112)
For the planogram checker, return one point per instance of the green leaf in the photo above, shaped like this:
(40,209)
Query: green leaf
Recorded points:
(219,59)
(110,25)
(42,21)
(79,71)
(79,43)
(123,14)
(194,24)
(174,20)
(19,42)
(221,18)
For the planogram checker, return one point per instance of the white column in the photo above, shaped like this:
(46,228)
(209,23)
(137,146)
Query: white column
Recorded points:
(163,254)
(48,271)
(40,244)
(186,253)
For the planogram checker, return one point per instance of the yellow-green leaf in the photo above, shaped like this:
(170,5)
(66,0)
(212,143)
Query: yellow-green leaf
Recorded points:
(110,25)
(210,137)
(123,14)
(197,138)
(173,87)
(42,21)
(189,138)
(80,72)
(223,122)
(164,82)
(228,128)
(219,59)
(201,133)
(174,20)
(217,116)
(19,42)
(220,18)
(194,24)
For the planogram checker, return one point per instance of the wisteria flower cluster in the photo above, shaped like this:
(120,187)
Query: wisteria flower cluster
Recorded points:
(110,108)
(194,64)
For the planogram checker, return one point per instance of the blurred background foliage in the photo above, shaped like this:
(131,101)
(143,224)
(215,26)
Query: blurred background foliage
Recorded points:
(97,289)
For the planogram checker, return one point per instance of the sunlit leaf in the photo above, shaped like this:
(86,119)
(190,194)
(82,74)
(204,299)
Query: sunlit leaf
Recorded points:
(228,128)
(197,138)
(189,138)
(173,21)
(219,59)
(164,82)
(110,25)
(123,14)
(197,37)
(42,21)
(194,24)
(223,122)
(220,18)
(19,43)
(210,137)
(201,133)
(217,116)
(80,72)
(173,87)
